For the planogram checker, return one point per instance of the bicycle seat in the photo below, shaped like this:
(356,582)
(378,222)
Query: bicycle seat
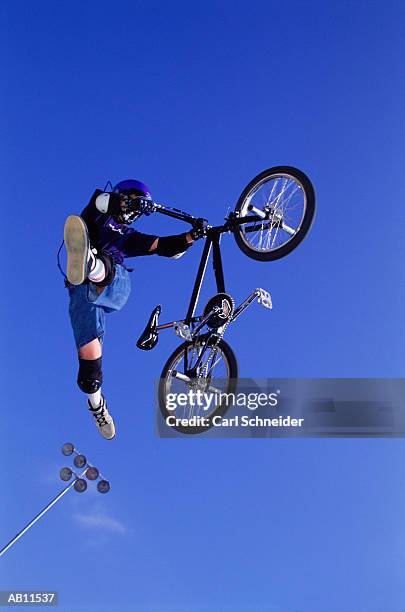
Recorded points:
(150,335)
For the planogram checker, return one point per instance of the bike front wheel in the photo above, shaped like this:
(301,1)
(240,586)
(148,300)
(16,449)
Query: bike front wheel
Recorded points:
(205,395)
(284,199)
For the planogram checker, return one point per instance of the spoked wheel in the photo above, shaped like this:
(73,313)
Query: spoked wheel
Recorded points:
(284,198)
(186,391)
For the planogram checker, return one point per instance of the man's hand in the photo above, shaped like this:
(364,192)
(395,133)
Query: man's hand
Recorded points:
(200,228)
(133,207)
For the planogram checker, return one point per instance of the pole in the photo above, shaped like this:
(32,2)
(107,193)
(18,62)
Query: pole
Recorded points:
(38,516)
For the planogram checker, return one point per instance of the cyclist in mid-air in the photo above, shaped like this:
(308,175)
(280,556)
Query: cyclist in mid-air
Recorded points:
(97,243)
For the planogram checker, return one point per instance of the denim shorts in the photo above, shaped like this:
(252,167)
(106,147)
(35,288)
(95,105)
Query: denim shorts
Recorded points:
(87,309)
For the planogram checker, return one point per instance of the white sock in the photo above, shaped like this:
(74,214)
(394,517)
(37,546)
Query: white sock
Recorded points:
(95,399)
(98,272)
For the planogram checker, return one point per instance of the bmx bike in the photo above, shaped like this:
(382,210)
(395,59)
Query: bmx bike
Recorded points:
(272,216)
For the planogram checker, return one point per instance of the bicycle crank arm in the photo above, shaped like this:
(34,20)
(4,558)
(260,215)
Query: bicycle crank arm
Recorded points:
(261,295)
(204,321)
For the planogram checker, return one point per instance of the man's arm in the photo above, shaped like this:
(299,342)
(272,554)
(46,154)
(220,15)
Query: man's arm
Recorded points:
(136,244)
(172,246)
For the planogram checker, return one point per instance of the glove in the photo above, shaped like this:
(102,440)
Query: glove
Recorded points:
(132,208)
(147,207)
(200,228)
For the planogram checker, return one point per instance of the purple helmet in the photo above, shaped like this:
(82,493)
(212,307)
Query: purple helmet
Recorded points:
(131,185)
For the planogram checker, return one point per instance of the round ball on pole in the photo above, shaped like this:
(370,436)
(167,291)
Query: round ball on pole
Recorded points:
(65,473)
(80,485)
(67,449)
(80,461)
(103,486)
(92,473)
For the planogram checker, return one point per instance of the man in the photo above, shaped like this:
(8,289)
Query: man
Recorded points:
(97,244)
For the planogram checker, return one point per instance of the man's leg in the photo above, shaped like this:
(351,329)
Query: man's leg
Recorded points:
(89,379)
(88,323)
(83,262)
(90,375)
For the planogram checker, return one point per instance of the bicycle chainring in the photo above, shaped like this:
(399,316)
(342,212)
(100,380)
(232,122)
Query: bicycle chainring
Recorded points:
(224,305)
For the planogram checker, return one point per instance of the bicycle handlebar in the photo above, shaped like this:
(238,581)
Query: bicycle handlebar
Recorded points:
(173,212)
(231,222)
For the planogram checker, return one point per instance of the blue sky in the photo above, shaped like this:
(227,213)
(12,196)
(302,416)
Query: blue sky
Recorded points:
(196,100)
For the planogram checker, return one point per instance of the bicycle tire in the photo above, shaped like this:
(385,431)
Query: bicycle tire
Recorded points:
(221,409)
(305,184)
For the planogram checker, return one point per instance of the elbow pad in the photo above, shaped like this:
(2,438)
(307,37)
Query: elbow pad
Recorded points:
(109,203)
(170,246)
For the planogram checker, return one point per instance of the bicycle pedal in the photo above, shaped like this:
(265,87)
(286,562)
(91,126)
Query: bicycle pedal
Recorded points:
(182,330)
(264,298)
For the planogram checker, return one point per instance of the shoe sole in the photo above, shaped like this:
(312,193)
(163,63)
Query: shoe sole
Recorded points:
(108,437)
(77,246)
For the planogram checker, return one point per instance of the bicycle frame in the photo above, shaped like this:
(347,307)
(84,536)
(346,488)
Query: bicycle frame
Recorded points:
(212,241)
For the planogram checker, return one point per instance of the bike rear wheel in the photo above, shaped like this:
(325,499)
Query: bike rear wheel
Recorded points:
(217,374)
(285,198)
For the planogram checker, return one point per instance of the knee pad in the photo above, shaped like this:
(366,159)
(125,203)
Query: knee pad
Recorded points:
(90,375)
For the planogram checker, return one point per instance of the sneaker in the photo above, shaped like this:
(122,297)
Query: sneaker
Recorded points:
(79,256)
(104,420)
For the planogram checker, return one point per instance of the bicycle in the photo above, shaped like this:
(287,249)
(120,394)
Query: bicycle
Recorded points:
(272,216)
